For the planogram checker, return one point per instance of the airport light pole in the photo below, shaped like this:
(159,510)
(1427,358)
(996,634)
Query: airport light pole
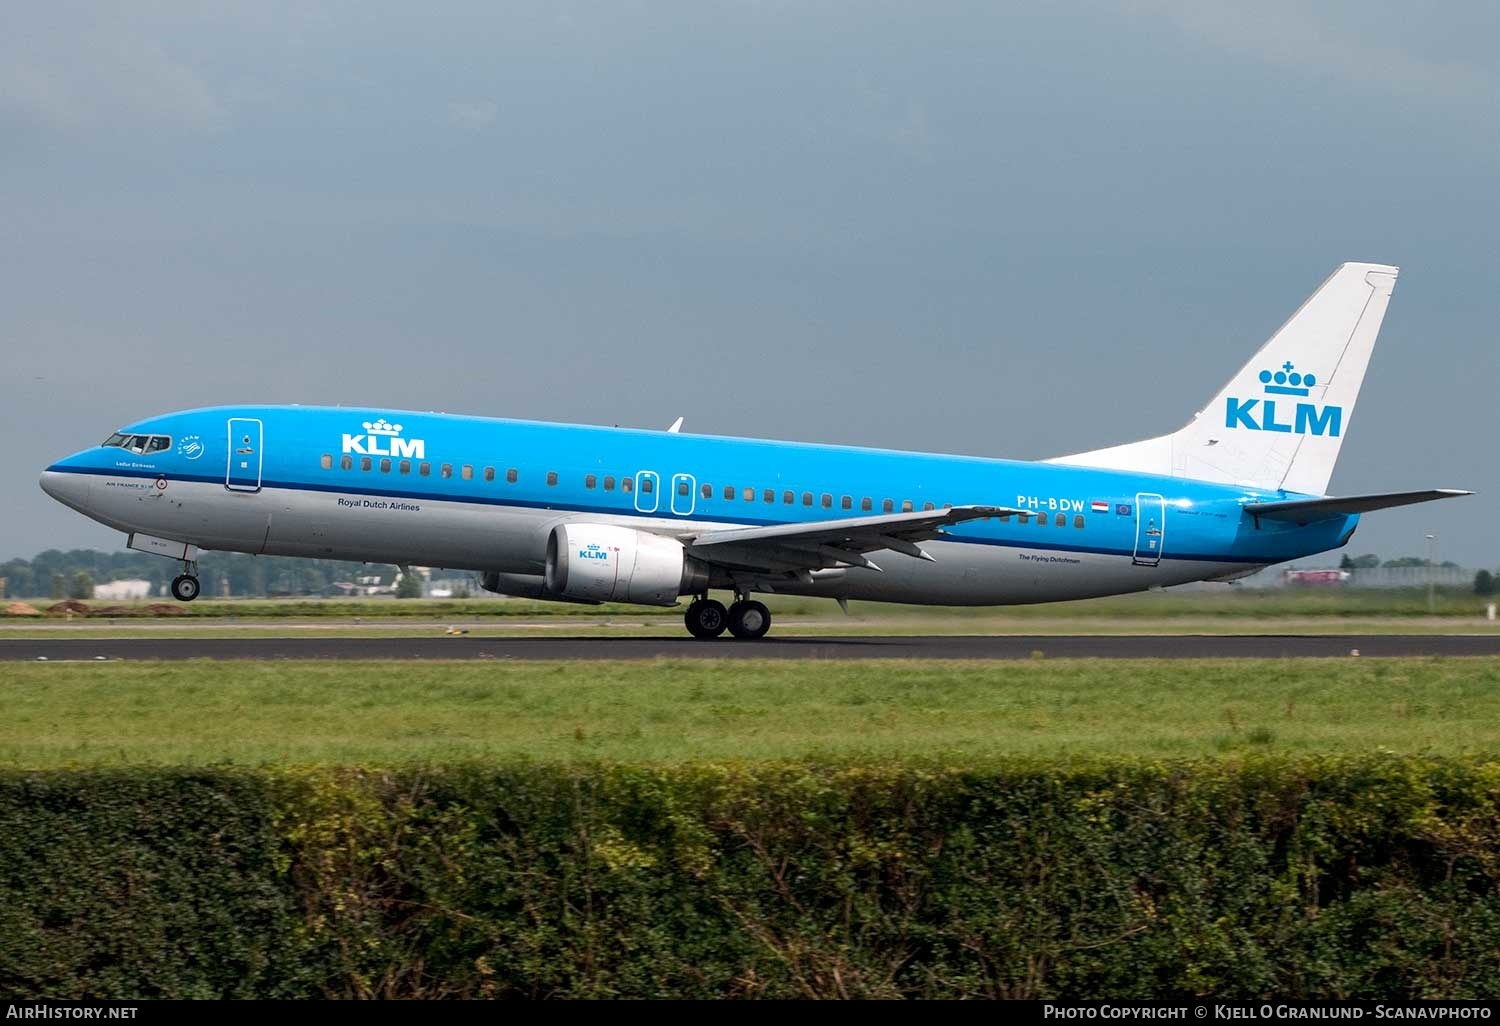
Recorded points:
(1431,565)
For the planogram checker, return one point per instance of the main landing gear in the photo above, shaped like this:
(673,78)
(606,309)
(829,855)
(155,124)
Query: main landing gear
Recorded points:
(747,619)
(185,585)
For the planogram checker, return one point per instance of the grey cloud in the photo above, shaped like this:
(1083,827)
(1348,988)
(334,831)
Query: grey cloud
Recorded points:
(473,114)
(1293,34)
(94,70)
(1010,230)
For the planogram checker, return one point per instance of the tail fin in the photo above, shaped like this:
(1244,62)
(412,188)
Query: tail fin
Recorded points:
(1280,421)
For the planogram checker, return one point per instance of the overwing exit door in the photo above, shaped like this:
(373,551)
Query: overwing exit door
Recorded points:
(243,471)
(684,494)
(647,489)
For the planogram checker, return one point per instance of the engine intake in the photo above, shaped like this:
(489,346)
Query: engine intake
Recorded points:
(603,563)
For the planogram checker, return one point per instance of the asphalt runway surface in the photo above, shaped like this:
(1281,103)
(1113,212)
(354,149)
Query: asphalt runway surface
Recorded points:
(1200,646)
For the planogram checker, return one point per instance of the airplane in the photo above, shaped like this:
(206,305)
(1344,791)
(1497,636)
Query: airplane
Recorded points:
(576,513)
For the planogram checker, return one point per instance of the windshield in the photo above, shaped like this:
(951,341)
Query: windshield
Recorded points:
(141,444)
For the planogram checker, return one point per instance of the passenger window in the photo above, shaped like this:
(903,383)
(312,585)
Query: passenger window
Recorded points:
(683,489)
(327,461)
(1078,521)
(947,505)
(627,484)
(707,491)
(425,469)
(466,472)
(512,476)
(749,494)
(906,505)
(1061,520)
(447,470)
(405,466)
(927,507)
(1041,519)
(847,502)
(729,491)
(552,481)
(364,463)
(385,466)
(346,462)
(769,496)
(788,497)
(609,482)
(867,504)
(827,501)
(888,505)
(590,481)
(807,498)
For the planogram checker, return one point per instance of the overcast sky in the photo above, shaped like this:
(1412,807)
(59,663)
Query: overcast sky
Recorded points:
(1005,230)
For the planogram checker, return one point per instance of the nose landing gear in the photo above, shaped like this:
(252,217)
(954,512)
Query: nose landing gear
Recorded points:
(185,585)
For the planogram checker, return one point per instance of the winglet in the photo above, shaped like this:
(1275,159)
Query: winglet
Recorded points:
(676,427)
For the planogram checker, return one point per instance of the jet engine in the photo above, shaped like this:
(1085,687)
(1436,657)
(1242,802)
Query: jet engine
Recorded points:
(602,563)
(531,586)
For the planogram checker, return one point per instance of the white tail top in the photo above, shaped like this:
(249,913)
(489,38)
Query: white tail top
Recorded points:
(1279,422)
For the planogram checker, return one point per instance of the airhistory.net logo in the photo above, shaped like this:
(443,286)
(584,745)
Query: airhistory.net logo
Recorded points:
(1307,418)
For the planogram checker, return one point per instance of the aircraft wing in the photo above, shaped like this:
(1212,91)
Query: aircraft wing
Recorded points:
(832,543)
(1304,511)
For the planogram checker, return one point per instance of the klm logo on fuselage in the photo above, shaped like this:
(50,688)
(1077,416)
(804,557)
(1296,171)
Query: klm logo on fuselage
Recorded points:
(1292,418)
(384,439)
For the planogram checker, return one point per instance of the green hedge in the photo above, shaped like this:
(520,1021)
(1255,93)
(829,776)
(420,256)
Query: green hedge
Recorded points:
(1373,877)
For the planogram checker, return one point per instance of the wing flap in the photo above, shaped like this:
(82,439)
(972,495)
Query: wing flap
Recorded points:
(1304,511)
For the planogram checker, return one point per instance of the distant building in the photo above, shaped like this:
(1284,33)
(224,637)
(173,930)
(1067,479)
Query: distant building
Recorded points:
(119,591)
(1316,578)
(376,582)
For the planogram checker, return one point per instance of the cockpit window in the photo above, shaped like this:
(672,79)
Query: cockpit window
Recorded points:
(138,443)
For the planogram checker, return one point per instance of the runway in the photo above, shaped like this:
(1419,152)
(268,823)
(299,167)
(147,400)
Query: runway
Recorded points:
(1258,646)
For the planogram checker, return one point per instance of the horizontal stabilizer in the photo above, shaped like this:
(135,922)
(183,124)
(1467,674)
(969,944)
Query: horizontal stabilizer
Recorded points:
(1304,511)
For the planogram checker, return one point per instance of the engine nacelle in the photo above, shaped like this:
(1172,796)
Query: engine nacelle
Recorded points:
(601,563)
(531,586)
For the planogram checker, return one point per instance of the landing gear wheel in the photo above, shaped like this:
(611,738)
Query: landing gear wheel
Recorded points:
(749,620)
(185,588)
(706,618)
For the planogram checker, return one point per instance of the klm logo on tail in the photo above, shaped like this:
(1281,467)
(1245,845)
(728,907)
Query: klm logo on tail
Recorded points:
(1305,419)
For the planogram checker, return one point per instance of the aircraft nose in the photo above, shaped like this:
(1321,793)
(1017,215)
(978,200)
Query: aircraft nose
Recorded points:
(68,489)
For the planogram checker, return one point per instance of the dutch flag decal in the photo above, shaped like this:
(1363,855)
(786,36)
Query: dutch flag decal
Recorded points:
(1099,507)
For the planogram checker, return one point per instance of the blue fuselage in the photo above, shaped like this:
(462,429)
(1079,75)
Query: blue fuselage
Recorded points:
(481,493)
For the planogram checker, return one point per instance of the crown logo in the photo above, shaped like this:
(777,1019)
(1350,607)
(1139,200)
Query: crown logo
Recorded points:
(1287,381)
(381,427)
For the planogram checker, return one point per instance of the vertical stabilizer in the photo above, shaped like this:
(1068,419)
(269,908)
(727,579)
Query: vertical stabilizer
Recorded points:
(1280,421)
